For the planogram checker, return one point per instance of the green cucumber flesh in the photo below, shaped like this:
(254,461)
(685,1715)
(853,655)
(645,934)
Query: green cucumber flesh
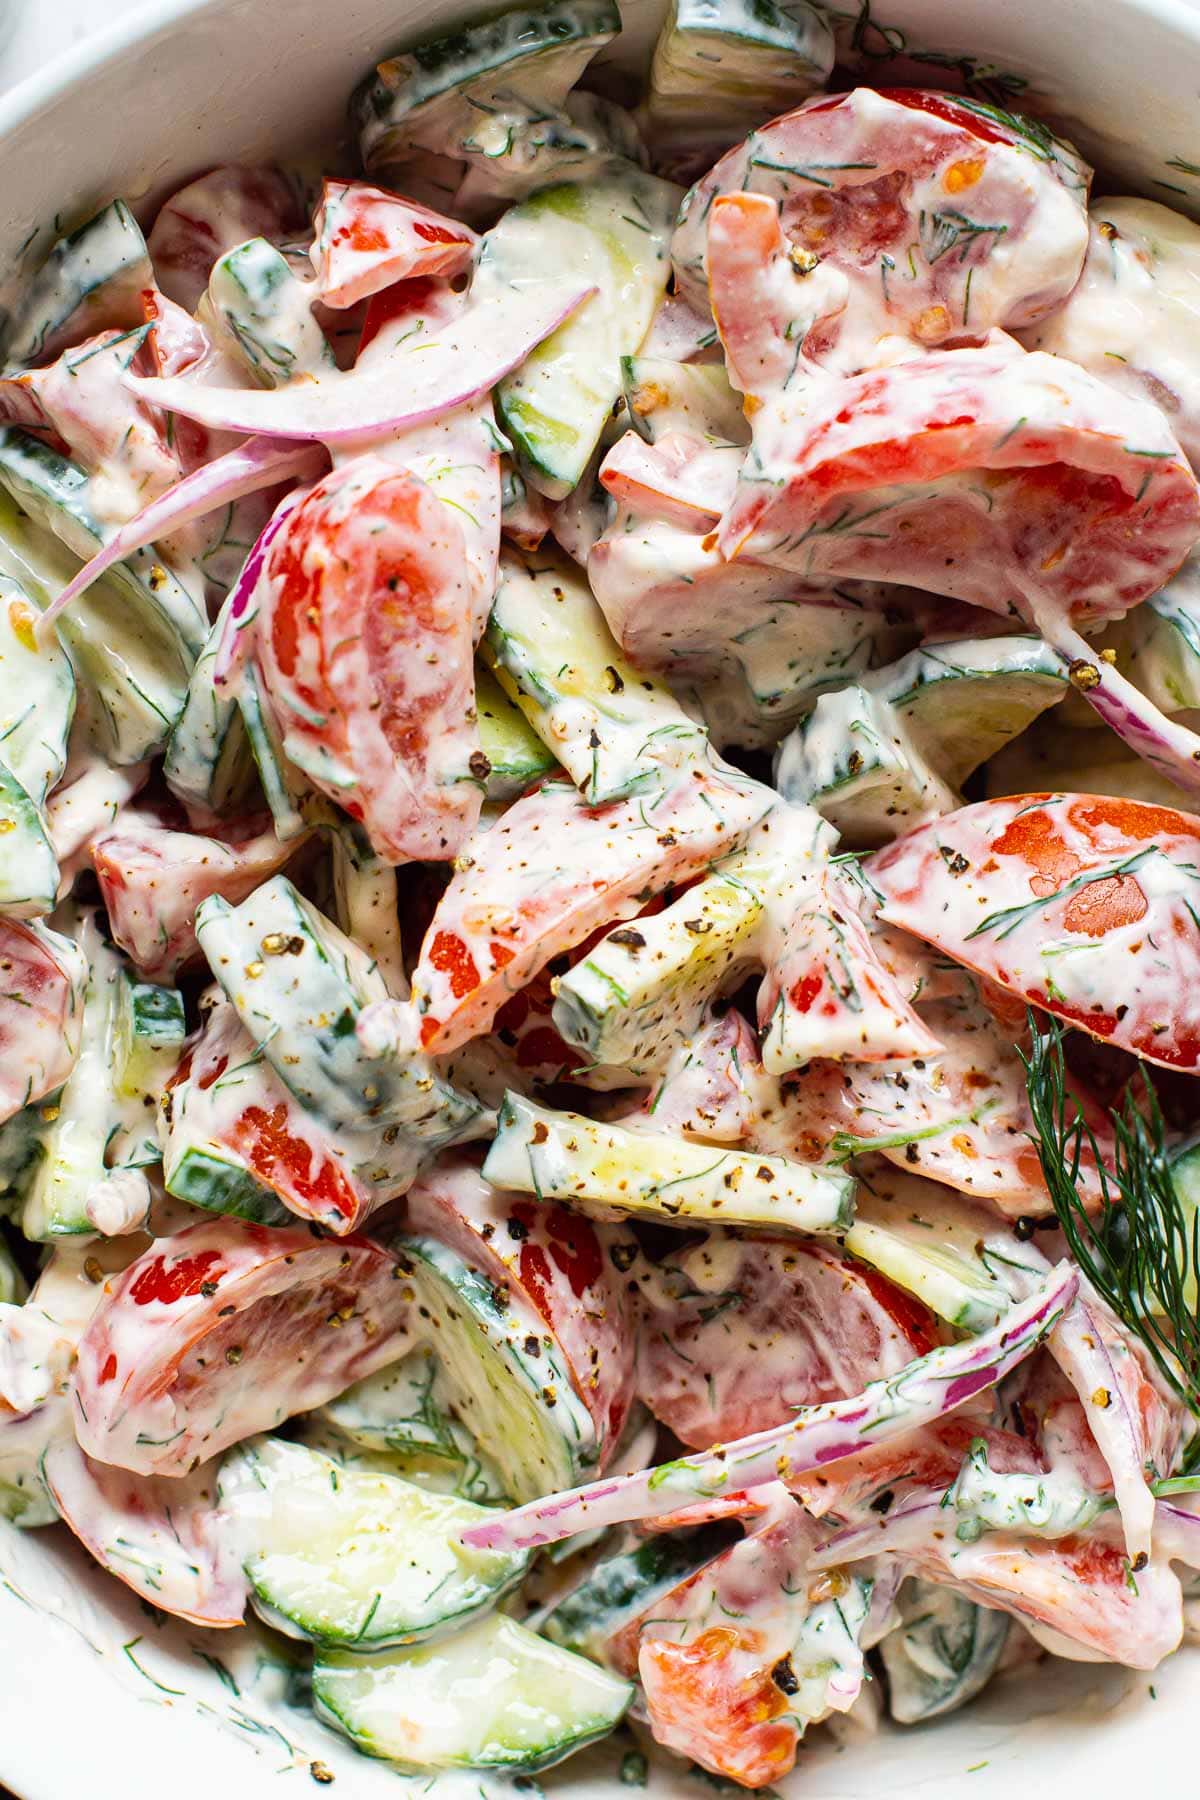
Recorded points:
(504,1377)
(354,1560)
(613,233)
(92,279)
(495,1697)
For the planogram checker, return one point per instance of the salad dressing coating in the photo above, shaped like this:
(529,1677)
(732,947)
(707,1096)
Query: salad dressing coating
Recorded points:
(600,900)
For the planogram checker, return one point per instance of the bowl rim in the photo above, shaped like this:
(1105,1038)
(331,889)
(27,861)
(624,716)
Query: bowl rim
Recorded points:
(153,18)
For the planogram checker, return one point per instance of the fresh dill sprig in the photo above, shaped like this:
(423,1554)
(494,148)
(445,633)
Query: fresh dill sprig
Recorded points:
(1138,1251)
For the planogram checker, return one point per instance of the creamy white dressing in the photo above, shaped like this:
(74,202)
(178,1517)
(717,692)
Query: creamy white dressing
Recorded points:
(887,234)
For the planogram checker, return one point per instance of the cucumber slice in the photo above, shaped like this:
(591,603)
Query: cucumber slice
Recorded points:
(431,95)
(366,896)
(130,673)
(203,1177)
(695,398)
(504,1376)
(1158,642)
(77,1122)
(403,1413)
(514,150)
(615,233)
(625,1585)
(495,1697)
(721,67)
(209,764)
(91,280)
(28,865)
(963,701)
(944,1652)
(854,759)
(1185,1174)
(564,1156)
(262,312)
(56,493)
(285,788)
(355,1560)
(471,1479)
(14,1289)
(516,755)
(962,1261)
(1054,759)
(37,697)
(614,729)
(148,1037)
(644,989)
(20,1154)
(298,985)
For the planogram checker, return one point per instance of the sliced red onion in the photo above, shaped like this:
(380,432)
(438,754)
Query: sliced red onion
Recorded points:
(260,463)
(1177,1532)
(419,381)
(239,611)
(1162,742)
(1079,1347)
(925,1390)
(905,1526)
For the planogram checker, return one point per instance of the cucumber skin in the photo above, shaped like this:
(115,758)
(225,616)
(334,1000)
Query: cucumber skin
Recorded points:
(206,1181)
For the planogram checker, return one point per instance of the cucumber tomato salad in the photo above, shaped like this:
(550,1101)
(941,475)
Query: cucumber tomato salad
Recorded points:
(600,900)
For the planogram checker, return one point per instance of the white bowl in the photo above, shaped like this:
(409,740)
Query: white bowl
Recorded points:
(99,1697)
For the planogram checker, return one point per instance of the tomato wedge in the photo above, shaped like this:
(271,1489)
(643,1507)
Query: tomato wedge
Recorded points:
(226,1329)
(736,1333)
(825,991)
(225,1102)
(367,238)
(213,214)
(571,1272)
(1076,1588)
(728,1675)
(960,1116)
(548,873)
(941,215)
(42,981)
(988,475)
(365,644)
(682,479)
(165,1539)
(1086,906)
(153,878)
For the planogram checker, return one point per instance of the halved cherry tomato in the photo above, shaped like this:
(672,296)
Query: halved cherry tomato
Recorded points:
(1085,906)
(988,475)
(572,1272)
(367,238)
(548,873)
(736,1333)
(365,641)
(227,1329)
(153,879)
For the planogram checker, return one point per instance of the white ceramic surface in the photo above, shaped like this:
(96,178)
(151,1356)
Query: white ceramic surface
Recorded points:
(102,1699)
